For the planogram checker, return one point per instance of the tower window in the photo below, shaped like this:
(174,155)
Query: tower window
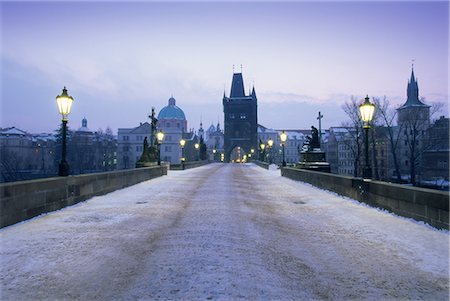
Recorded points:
(243,116)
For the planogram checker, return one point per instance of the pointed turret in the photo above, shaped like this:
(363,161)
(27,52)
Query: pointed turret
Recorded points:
(413,89)
(412,104)
(253,93)
(237,86)
(412,92)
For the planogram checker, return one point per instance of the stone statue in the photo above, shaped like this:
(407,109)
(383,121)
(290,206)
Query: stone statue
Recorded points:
(314,143)
(145,157)
(311,142)
(154,122)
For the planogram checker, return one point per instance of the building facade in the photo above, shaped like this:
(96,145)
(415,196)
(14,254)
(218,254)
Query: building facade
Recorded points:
(339,151)
(436,155)
(130,144)
(214,141)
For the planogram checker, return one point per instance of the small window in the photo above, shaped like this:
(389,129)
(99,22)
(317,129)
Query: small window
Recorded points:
(243,116)
(167,124)
(231,115)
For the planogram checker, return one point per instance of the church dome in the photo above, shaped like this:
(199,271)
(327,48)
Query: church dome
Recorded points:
(171,111)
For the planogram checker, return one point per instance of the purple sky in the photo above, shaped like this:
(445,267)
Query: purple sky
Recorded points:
(119,59)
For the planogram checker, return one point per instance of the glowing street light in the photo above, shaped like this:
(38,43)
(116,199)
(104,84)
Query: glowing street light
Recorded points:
(262,146)
(197,148)
(367,110)
(270,144)
(160,138)
(182,143)
(283,138)
(64,102)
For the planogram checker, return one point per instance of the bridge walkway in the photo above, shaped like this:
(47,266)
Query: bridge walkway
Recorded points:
(227,232)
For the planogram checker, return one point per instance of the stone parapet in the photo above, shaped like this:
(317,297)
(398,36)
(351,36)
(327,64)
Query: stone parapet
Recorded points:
(189,165)
(23,200)
(261,164)
(422,204)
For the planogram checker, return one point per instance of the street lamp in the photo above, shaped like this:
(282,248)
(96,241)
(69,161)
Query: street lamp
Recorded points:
(159,137)
(262,146)
(270,144)
(214,153)
(182,143)
(197,147)
(366,110)
(283,138)
(64,102)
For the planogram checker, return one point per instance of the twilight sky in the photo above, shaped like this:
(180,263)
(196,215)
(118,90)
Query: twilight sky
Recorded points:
(119,59)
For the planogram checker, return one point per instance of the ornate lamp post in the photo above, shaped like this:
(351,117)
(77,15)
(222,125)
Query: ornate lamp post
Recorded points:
(283,138)
(160,138)
(270,144)
(262,146)
(367,109)
(197,148)
(182,143)
(214,153)
(64,105)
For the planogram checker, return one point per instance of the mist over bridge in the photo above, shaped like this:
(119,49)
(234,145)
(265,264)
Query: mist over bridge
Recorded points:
(222,231)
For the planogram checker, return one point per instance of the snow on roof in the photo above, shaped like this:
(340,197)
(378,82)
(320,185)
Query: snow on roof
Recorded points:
(295,135)
(12,131)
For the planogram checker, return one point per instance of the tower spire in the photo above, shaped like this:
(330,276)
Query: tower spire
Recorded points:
(237,86)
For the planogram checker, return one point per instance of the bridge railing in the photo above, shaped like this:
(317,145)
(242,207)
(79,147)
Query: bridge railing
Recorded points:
(261,164)
(422,204)
(23,200)
(189,165)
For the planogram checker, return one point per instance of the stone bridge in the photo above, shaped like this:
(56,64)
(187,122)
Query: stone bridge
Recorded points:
(225,232)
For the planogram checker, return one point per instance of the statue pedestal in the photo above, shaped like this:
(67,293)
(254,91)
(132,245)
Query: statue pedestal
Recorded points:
(313,160)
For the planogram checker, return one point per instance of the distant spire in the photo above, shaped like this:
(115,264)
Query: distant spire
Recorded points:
(253,92)
(241,68)
(412,91)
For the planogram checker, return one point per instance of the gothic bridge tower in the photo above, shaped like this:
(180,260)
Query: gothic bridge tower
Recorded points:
(241,119)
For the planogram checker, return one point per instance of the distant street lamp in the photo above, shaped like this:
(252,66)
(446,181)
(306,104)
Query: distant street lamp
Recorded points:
(182,143)
(64,105)
(197,148)
(270,144)
(250,155)
(262,146)
(283,138)
(366,110)
(160,138)
(214,153)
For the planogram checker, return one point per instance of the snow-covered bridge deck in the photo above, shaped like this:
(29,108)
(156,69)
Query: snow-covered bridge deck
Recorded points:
(223,231)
